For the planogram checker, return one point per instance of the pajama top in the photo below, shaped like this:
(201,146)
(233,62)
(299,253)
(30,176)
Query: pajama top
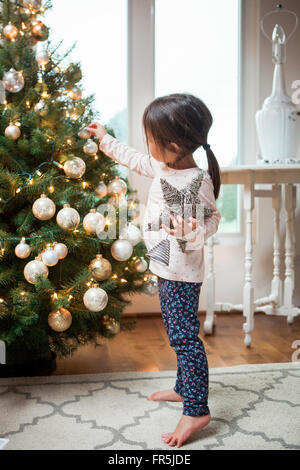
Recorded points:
(189,193)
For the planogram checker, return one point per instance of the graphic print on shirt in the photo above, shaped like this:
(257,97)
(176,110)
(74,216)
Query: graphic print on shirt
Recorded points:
(184,202)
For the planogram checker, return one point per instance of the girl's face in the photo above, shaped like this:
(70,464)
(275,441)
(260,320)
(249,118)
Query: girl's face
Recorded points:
(166,157)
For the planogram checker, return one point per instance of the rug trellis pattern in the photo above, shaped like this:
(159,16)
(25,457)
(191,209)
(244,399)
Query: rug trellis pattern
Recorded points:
(253,407)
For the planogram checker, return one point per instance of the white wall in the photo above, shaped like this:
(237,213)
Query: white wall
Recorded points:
(257,80)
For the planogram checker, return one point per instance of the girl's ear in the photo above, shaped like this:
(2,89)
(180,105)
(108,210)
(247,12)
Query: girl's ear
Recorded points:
(174,147)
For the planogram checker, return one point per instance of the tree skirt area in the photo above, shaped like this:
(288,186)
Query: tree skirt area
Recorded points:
(252,407)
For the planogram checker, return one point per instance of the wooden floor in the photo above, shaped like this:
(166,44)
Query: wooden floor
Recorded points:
(146,348)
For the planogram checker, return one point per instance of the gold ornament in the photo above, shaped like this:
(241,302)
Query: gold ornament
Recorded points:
(12,132)
(35,268)
(75,93)
(60,320)
(84,134)
(75,168)
(22,250)
(100,268)
(40,32)
(101,189)
(95,299)
(112,326)
(68,218)
(44,208)
(151,284)
(13,81)
(73,73)
(92,220)
(121,250)
(117,187)
(10,31)
(61,250)
(90,148)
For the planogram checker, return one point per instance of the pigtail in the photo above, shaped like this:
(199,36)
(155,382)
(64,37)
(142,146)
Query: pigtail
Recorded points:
(214,171)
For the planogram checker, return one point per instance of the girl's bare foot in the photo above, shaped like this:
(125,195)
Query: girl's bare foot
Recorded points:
(165,395)
(185,428)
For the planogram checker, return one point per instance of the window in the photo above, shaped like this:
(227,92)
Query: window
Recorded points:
(197,51)
(99,28)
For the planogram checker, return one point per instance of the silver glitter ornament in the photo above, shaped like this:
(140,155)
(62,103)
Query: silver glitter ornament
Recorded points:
(121,250)
(49,257)
(39,31)
(101,189)
(41,108)
(151,286)
(22,250)
(95,299)
(35,268)
(117,187)
(141,265)
(12,132)
(75,168)
(61,250)
(10,31)
(60,320)
(44,208)
(100,268)
(68,218)
(92,220)
(13,81)
(90,148)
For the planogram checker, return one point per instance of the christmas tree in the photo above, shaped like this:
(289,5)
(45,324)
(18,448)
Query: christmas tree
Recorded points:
(64,279)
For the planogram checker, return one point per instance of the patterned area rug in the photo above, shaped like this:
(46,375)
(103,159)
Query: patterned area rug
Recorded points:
(253,407)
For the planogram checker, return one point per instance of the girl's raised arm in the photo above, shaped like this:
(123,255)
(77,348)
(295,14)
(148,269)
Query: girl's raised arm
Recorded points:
(136,161)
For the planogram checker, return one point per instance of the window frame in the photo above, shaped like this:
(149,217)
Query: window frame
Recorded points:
(141,58)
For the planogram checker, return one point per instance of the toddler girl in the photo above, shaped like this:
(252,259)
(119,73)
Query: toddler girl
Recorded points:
(181,214)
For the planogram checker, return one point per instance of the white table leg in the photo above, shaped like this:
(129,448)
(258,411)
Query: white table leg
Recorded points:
(289,282)
(276,286)
(210,282)
(248,293)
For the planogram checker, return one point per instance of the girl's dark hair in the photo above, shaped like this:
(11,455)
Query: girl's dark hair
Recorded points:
(186,121)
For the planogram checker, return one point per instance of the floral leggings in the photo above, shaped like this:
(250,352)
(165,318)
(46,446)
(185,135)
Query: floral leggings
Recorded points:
(179,305)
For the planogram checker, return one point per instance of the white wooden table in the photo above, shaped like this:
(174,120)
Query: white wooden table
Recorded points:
(280,299)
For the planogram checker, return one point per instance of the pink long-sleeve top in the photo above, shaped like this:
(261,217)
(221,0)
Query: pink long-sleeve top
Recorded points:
(174,258)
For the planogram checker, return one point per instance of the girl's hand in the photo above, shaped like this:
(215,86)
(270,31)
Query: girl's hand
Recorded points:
(97,130)
(181,227)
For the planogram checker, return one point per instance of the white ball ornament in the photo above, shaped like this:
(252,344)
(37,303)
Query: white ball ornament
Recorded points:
(35,268)
(141,265)
(75,93)
(61,250)
(117,187)
(12,132)
(90,148)
(75,168)
(151,284)
(95,299)
(49,257)
(121,250)
(10,31)
(22,250)
(13,81)
(68,218)
(42,58)
(84,134)
(131,233)
(44,208)
(92,220)
(33,5)
(101,189)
